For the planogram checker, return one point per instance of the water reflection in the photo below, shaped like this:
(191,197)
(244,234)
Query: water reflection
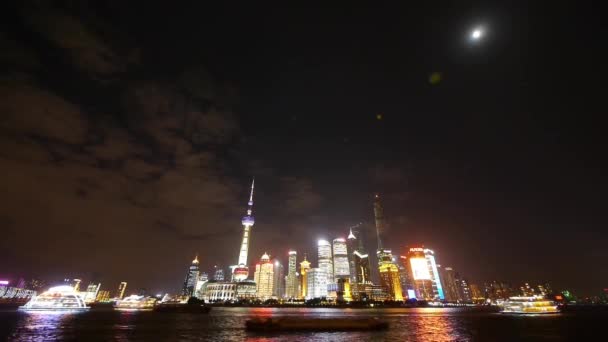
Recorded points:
(44,326)
(228,324)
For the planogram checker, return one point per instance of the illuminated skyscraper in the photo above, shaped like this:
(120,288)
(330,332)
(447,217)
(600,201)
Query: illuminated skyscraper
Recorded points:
(341,265)
(278,286)
(325,260)
(359,266)
(122,287)
(218,273)
(407,285)
(191,278)
(351,244)
(425,274)
(316,283)
(291,281)
(429,254)
(240,272)
(264,277)
(450,285)
(389,272)
(304,267)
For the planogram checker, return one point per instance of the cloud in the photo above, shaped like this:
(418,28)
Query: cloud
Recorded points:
(87,51)
(88,186)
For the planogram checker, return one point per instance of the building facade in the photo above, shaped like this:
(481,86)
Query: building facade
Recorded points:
(189,285)
(291,280)
(316,283)
(278,286)
(340,260)
(264,278)
(304,267)
(325,259)
(387,269)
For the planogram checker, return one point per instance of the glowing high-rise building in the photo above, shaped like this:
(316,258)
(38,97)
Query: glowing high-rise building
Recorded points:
(240,272)
(429,254)
(191,278)
(351,246)
(359,266)
(278,287)
(304,267)
(325,260)
(450,285)
(316,283)
(291,281)
(122,287)
(388,271)
(425,274)
(341,265)
(264,277)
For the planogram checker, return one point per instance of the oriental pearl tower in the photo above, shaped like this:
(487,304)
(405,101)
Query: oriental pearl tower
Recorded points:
(240,272)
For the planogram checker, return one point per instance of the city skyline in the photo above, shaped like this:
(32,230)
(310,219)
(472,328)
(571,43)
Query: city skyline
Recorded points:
(127,147)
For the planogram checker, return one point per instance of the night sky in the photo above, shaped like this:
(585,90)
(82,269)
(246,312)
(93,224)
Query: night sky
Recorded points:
(129,134)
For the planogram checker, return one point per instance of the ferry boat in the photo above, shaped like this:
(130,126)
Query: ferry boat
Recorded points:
(529,305)
(57,299)
(135,303)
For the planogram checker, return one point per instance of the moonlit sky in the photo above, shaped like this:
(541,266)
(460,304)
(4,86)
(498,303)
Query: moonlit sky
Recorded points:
(129,136)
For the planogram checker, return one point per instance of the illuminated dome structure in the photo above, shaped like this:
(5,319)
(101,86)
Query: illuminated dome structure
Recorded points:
(58,298)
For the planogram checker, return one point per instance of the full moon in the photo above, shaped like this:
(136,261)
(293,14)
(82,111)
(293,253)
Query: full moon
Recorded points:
(476,34)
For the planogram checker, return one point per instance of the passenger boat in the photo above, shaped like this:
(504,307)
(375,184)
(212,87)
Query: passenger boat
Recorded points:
(58,299)
(135,303)
(529,305)
(316,324)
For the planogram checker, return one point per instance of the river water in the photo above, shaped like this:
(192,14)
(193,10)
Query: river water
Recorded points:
(228,324)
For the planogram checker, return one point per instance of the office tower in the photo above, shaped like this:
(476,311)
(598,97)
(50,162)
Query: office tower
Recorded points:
(278,286)
(425,274)
(451,286)
(388,271)
(351,246)
(291,281)
(203,277)
(465,291)
(429,254)
(316,283)
(218,273)
(341,265)
(324,259)
(420,274)
(240,272)
(264,277)
(122,287)
(304,267)
(407,285)
(103,296)
(191,278)
(90,294)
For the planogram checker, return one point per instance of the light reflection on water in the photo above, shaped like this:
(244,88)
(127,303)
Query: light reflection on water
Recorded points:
(227,324)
